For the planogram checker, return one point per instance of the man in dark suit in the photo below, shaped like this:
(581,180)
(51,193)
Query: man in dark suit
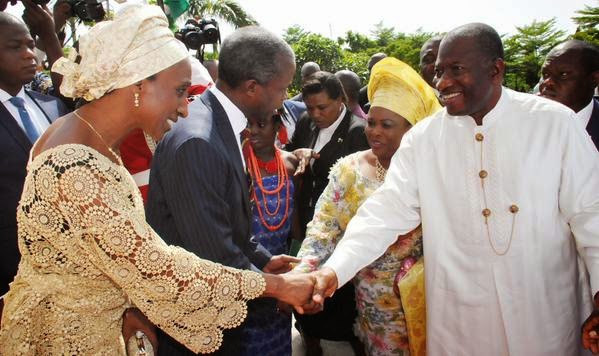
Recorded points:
(570,75)
(199,193)
(24,115)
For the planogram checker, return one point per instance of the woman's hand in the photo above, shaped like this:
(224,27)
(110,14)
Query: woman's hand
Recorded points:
(304,155)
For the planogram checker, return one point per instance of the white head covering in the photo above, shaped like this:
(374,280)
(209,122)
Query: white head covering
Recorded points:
(119,53)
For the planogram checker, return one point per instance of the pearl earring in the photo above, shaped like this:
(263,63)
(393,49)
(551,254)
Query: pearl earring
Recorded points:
(136,100)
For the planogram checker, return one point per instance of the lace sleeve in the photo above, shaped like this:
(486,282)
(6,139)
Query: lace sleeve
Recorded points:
(331,215)
(191,299)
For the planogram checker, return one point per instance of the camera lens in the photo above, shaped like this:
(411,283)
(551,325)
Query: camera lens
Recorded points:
(193,39)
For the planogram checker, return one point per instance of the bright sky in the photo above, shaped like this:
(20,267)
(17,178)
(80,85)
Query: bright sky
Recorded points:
(335,17)
(332,18)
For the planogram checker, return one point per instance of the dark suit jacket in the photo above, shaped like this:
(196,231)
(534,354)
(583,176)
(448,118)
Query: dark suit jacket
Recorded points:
(199,198)
(593,125)
(348,138)
(14,154)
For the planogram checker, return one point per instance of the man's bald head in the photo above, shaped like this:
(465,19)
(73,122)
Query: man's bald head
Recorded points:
(351,84)
(487,40)
(428,56)
(469,70)
(7,19)
(587,53)
(570,74)
(374,59)
(308,69)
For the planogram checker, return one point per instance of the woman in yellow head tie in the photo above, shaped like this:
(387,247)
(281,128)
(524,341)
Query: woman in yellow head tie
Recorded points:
(399,98)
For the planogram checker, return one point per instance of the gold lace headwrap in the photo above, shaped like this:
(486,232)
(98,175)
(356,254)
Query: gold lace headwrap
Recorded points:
(119,53)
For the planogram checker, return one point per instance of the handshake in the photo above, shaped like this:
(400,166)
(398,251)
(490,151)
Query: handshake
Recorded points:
(306,292)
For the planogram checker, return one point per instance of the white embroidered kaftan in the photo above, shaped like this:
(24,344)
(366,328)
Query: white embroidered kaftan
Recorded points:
(479,302)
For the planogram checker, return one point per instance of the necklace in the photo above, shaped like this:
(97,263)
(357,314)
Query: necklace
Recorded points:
(269,166)
(118,158)
(486,212)
(381,171)
(283,181)
(150,142)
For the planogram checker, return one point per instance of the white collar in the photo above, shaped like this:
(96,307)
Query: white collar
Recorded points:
(584,115)
(5,96)
(236,117)
(492,116)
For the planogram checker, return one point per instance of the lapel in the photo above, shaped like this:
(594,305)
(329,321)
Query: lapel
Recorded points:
(593,125)
(312,134)
(339,135)
(48,108)
(14,130)
(225,131)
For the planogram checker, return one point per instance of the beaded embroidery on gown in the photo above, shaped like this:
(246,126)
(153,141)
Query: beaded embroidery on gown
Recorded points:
(88,254)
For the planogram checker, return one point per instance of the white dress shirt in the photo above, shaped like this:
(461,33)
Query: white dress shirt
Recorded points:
(237,119)
(324,135)
(527,301)
(37,115)
(584,115)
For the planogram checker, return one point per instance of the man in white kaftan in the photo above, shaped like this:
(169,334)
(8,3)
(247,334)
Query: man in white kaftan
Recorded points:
(506,187)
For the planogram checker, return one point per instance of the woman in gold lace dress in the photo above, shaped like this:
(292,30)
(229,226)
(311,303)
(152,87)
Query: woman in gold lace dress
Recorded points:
(87,252)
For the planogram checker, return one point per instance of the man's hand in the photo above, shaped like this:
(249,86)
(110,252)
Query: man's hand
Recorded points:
(62,13)
(39,20)
(280,264)
(325,286)
(134,320)
(304,155)
(291,288)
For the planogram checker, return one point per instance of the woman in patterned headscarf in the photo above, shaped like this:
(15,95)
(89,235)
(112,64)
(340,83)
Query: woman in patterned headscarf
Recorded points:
(87,251)
(399,98)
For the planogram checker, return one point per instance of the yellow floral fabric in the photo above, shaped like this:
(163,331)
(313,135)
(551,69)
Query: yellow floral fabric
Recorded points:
(412,292)
(88,254)
(381,323)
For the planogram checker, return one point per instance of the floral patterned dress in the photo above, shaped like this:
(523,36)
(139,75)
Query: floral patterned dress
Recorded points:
(381,322)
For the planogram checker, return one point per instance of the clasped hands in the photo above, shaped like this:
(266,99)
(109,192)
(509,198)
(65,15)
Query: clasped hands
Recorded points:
(306,292)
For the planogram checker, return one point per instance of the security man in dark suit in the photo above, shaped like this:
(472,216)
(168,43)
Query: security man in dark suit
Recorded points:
(570,75)
(24,115)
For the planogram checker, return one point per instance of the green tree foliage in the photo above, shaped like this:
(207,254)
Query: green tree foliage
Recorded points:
(226,10)
(383,35)
(406,47)
(588,22)
(357,63)
(526,51)
(317,48)
(356,42)
(294,34)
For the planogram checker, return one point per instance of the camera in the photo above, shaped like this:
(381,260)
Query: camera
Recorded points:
(87,10)
(195,34)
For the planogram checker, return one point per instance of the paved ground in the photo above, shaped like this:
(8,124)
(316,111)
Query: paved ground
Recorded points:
(329,348)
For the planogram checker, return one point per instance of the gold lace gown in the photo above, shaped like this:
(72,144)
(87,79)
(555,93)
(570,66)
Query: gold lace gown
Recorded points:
(88,254)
